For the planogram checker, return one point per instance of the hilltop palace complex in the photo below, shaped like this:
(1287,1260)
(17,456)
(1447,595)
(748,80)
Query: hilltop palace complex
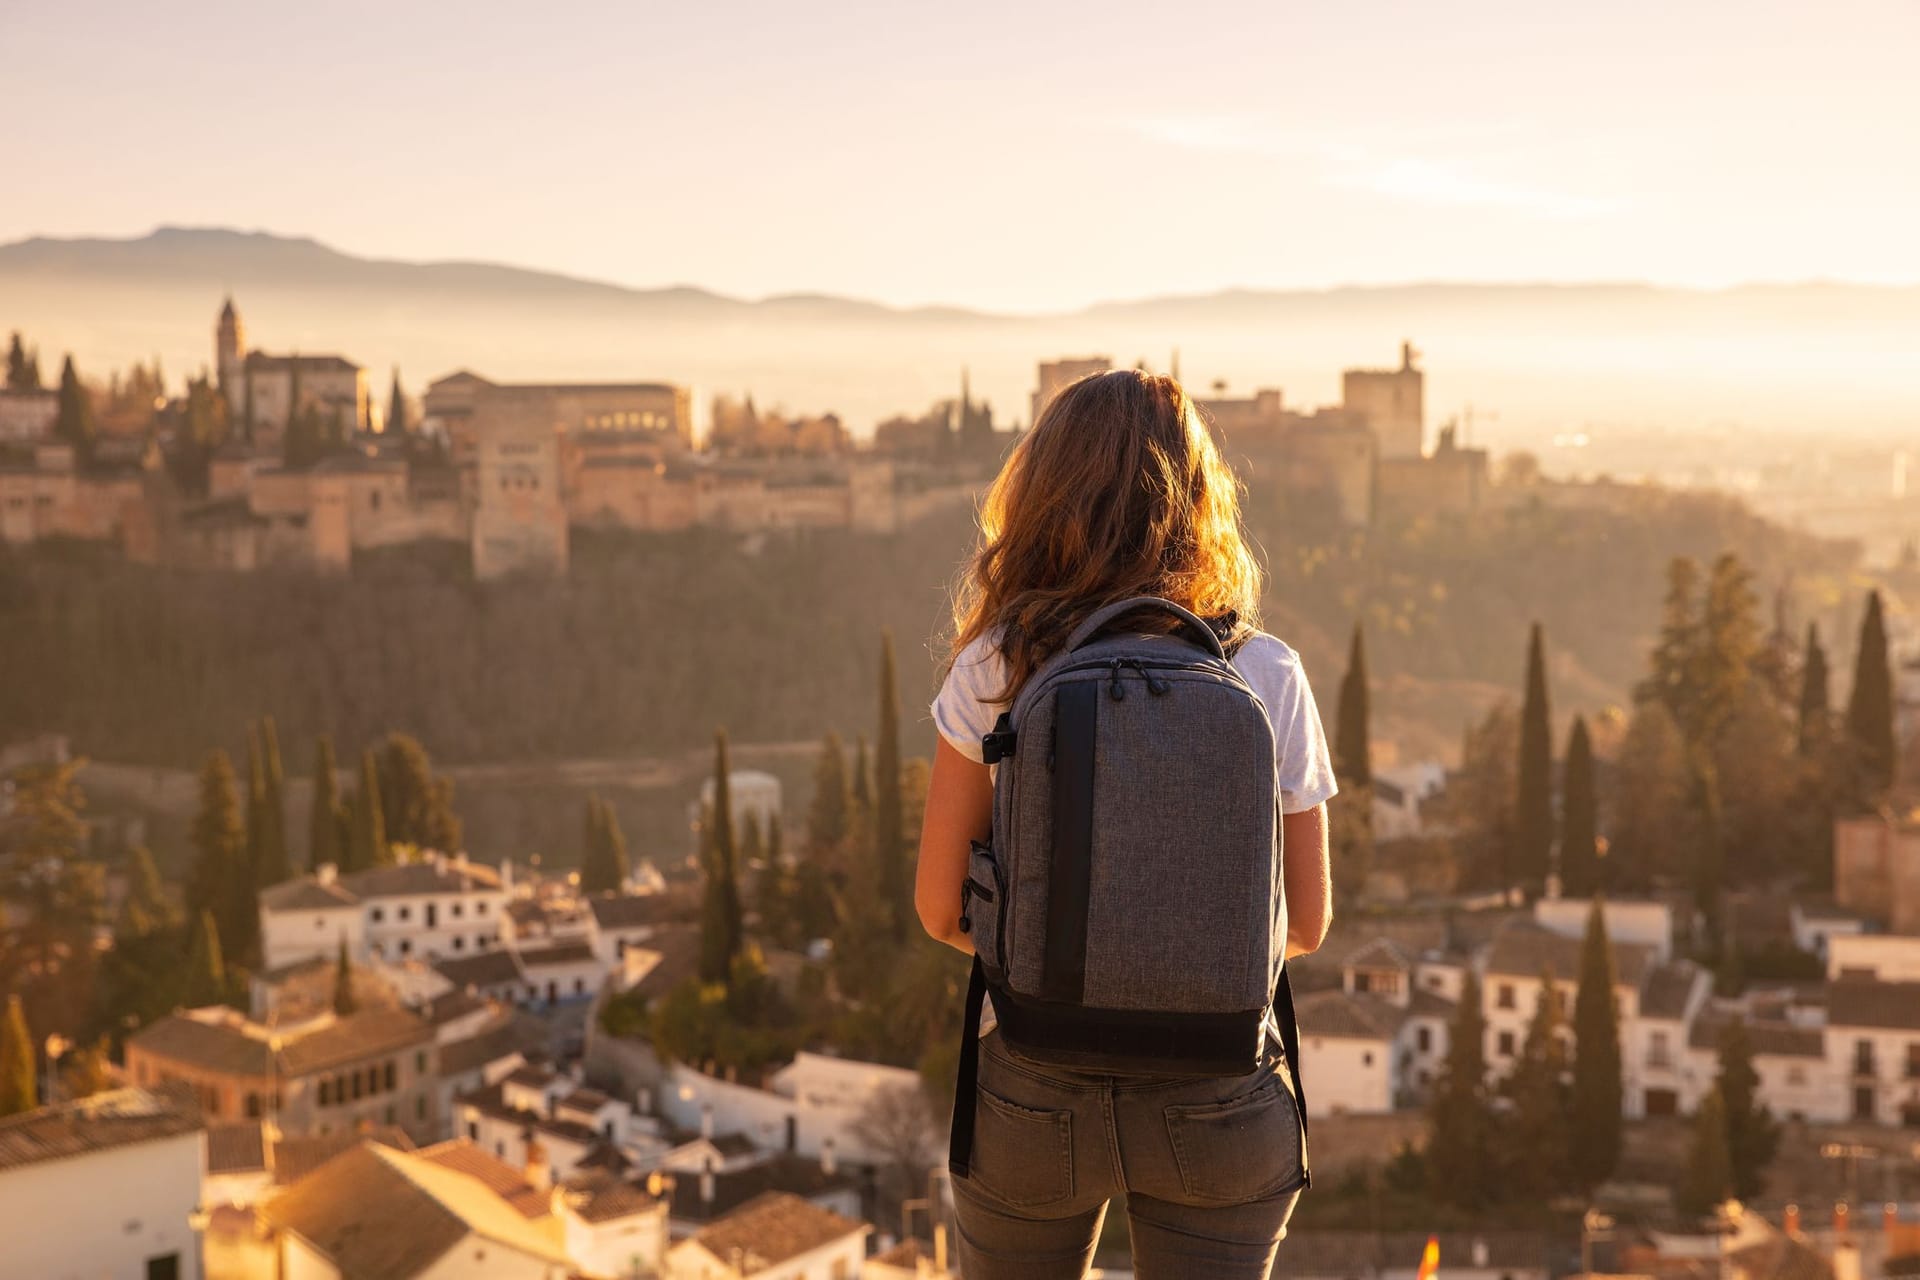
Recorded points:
(510,470)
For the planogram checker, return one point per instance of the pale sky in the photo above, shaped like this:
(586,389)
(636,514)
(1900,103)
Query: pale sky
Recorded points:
(1014,156)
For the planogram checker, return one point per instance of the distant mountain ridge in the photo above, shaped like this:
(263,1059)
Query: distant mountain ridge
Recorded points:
(1773,355)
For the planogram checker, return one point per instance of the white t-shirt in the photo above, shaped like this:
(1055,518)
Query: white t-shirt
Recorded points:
(963,712)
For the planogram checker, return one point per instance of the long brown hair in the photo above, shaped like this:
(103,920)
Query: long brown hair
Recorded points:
(1117,491)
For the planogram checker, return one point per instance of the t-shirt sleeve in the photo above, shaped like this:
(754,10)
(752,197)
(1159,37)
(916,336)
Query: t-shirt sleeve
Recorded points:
(1303,758)
(964,710)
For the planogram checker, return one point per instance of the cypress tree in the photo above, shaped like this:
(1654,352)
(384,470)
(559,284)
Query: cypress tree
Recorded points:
(344,1002)
(74,422)
(17,366)
(1352,750)
(1752,1133)
(257,838)
(614,844)
(1730,646)
(720,933)
(276,861)
(205,980)
(1596,1058)
(1707,1178)
(368,835)
(1541,1127)
(889,840)
(1815,714)
(1460,1146)
(1580,867)
(862,779)
(827,818)
(221,880)
(753,845)
(1676,654)
(1870,707)
(323,829)
(19,1081)
(396,424)
(593,871)
(1534,803)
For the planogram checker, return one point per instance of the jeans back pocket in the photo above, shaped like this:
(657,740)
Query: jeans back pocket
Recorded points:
(1243,1149)
(1022,1156)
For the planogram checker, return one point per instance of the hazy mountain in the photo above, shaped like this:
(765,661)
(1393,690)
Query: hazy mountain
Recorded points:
(1530,358)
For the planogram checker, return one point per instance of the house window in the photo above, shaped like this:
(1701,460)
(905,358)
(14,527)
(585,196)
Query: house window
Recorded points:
(1506,1044)
(389,1075)
(1863,1064)
(579,986)
(406,946)
(473,1131)
(455,910)
(1504,997)
(1658,1053)
(405,913)
(1366,1059)
(326,1093)
(420,1062)
(319,922)
(480,908)
(253,1106)
(1913,1060)
(164,1267)
(1423,1039)
(459,943)
(376,915)
(420,1106)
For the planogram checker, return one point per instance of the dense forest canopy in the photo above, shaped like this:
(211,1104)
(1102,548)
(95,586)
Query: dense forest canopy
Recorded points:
(653,641)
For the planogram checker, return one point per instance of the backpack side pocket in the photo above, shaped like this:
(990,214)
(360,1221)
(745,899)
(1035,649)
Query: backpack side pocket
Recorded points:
(983,908)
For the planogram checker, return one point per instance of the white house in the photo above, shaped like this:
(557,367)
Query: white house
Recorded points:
(611,1226)
(106,1186)
(755,796)
(1346,1052)
(1873,1045)
(776,1235)
(431,908)
(1888,957)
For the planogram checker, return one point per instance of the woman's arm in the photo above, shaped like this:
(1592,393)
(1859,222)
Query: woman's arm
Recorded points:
(959,811)
(1308,878)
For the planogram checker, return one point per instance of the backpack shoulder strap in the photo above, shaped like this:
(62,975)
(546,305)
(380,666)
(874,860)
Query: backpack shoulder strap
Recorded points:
(1100,617)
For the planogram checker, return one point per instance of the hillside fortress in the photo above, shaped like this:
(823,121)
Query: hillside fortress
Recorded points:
(295,467)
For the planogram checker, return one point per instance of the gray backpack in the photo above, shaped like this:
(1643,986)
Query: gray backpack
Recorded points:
(1127,915)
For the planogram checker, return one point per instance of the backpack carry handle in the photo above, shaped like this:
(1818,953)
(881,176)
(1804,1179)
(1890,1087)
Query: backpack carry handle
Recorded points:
(1107,613)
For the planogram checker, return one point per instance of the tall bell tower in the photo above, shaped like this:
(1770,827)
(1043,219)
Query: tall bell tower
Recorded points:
(229,349)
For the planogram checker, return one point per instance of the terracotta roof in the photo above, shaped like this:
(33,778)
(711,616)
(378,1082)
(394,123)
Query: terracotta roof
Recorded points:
(295,1158)
(307,894)
(905,1256)
(212,1046)
(450,1006)
(356,1036)
(484,969)
(260,361)
(1523,949)
(236,1148)
(733,1188)
(118,1118)
(599,1196)
(410,879)
(1776,1039)
(631,910)
(380,1214)
(1669,990)
(585,1100)
(491,1101)
(774,1227)
(457,1057)
(1860,1002)
(1337,1015)
(501,1178)
(558,953)
(1378,954)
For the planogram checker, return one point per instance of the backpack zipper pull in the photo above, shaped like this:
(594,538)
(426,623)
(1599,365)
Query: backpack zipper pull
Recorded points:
(1118,690)
(1155,684)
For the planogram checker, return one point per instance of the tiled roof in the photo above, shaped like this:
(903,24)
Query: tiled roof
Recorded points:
(261,362)
(905,1256)
(118,1118)
(1431,1004)
(1337,1015)
(457,1057)
(630,910)
(1523,949)
(236,1148)
(1669,990)
(501,1178)
(733,1188)
(211,1046)
(380,1214)
(307,894)
(1378,954)
(558,953)
(492,1102)
(295,1158)
(1775,1039)
(450,1006)
(773,1228)
(356,1036)
(598,1196)
(485,969)
(410,879)
(1857,1002)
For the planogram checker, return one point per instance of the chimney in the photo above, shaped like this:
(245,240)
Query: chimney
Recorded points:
(1889,1217)
(539,1170)
(828,1165)
(326,873)
(706,1120)
(940,1248)
(707,1189)
(1840,1219)
(1846,1261)
(1790,1223)
(1479,1254)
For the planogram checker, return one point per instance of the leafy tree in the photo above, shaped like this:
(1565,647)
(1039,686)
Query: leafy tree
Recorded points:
(889,836)
(415,805)
(721,934)
(1533,806)
(1672,682)
(1580,866)
(324,827)
(146,892)
(74,423)
(87,1070)
(205,980)
(1539,1134)
(1460,1153)
(1479,800)
(19,1080)
(1870,708)
(1815,715)
(1752,1133)
(1731,643)
(1596,1104)
(1652,815)
(827,816)
(1707,1177)
(344,1002)
(367,844)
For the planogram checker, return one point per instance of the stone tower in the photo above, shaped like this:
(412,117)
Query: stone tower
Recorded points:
(229,349)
